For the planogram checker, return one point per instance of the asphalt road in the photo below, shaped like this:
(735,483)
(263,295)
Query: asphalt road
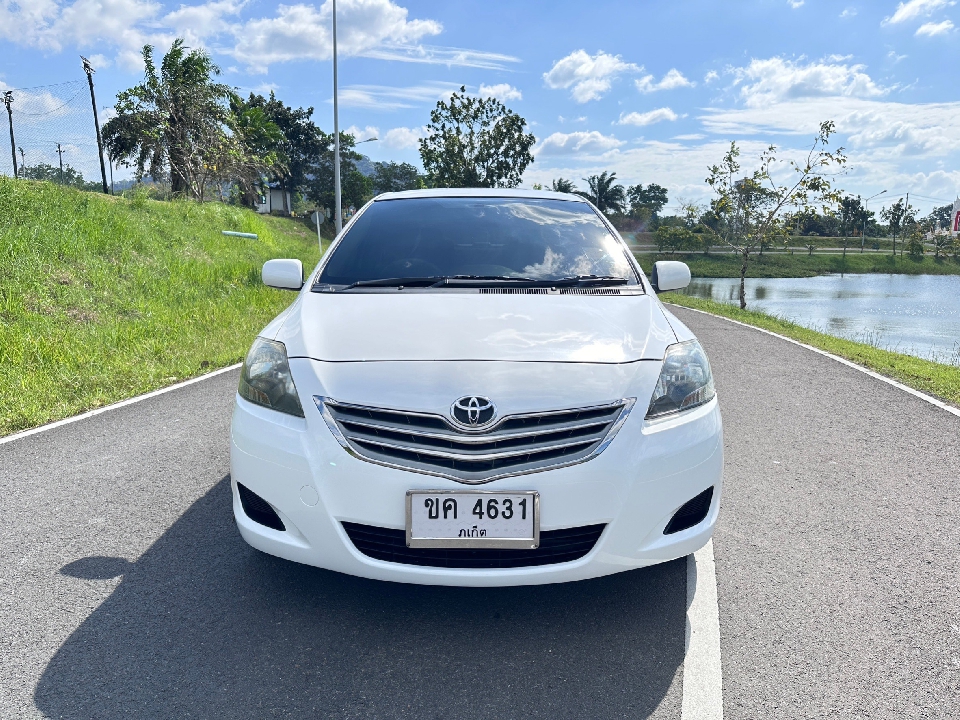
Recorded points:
(127,592)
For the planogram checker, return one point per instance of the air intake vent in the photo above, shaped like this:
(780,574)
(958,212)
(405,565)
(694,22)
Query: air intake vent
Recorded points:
(691,513)
(515,445)
(589,291)
(556,546)
(514,291)
(258,509)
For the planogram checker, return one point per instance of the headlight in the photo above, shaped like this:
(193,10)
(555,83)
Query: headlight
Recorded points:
(266,380)
(685,380)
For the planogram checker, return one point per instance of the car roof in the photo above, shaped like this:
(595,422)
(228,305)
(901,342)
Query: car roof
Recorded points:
(480,192)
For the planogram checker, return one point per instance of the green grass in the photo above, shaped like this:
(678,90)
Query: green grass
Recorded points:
(943,381)
(802,265)
(103,298)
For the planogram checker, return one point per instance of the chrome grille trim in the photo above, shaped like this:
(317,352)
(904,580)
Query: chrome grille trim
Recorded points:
(431,444)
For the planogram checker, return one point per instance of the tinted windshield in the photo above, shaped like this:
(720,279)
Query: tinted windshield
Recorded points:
(449,236)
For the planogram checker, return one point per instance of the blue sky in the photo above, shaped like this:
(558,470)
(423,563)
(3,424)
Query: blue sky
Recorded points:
(651,90)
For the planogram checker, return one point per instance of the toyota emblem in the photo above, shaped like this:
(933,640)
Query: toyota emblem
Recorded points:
(473,411)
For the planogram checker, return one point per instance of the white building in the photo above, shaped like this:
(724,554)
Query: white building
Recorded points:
(273,201)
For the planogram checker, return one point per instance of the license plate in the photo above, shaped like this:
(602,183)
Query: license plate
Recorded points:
(480,519)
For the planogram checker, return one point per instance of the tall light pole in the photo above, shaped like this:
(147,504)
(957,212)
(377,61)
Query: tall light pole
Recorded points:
(88,69)
(866,203)
(8,101)
(338,217)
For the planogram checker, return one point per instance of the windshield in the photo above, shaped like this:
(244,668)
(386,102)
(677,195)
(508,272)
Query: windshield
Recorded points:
(494,238)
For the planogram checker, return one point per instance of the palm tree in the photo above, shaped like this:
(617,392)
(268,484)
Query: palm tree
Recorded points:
(564,186)
(169,122)
(603,193)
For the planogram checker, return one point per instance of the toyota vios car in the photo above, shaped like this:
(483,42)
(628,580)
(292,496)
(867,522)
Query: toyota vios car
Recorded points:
(476,387)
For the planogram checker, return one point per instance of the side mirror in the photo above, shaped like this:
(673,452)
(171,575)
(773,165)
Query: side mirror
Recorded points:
(283,274)
(670,275)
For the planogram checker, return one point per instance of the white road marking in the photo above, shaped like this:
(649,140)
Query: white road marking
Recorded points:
(883,378)
(702,675)
(122,403)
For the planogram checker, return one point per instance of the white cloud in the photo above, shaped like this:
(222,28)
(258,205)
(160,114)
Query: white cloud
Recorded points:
(360,134)
(370,28)
(893,57)
(589,76)
(384,97)
(673,79)
(915,9)
(763,82)
(692,136)
(402,138)
(503,91)
(648,118)
(933,29)
(591,142)
(795,3)
(849,12)
(710,77)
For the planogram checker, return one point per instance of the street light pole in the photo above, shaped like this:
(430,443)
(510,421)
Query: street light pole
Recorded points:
(338,218)
(866,204)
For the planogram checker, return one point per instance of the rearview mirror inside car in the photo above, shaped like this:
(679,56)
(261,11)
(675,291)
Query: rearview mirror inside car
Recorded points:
(670,275)
(283,274)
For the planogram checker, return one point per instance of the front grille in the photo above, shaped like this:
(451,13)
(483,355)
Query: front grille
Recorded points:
(515,445)
(258,509)
(556,546)
(691,513)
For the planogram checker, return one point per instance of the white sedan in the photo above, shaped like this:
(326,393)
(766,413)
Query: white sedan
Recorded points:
(477,387)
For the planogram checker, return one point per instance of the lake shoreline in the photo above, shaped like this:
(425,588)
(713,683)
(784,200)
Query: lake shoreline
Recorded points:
(780,265)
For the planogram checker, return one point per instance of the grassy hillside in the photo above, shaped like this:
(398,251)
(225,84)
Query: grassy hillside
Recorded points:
(803,265)
(102,298)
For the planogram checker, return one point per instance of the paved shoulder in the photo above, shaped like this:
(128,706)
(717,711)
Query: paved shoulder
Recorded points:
(838,547)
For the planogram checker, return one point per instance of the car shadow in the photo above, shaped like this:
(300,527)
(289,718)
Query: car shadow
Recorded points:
(204,626)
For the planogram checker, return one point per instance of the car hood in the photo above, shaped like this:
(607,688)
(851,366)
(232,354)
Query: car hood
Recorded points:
(357,327)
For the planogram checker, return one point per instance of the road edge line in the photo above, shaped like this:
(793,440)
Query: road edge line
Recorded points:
(849,363)
(115,406)
(702,669)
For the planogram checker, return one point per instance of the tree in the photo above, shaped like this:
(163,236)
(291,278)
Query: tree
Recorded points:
(750,207)
(69,176)
(564,186)
(896,218)
(300,146)
(850,213)
(940,217)
(475,142)
(603,193)
(651,198)
(395,177)
(171,122)
(251,152)
(320,184)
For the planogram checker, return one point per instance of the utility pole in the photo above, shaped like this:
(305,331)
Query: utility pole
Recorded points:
(60,153)
(337,214)
(8,101)
(88,69)
(23,162)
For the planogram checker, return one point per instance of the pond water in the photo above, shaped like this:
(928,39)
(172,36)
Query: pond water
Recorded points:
(914,314)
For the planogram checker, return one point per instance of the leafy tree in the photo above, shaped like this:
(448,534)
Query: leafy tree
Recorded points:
(300,146)
(676,237)
(750,208)
(171,122)
(320,184)
(652,198)
(850,213)
(898,217)
(252,151)
(395,177)
(603,193)
(940,217)
(50,173)
(942,242)
(915,241)
(475,142)
(564,186)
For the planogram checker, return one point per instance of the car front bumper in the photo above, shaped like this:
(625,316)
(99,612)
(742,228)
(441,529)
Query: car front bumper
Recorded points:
(634,487)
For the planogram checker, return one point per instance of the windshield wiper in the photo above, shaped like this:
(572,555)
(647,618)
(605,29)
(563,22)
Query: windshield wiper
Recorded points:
(439,281)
